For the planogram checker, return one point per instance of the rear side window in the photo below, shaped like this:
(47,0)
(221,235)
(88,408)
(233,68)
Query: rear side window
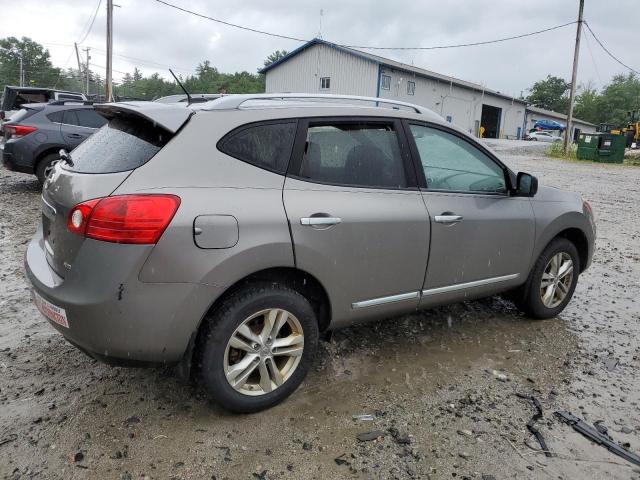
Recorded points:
(265,145)
(89,118)
(355,154)
(55,117)
(123,144)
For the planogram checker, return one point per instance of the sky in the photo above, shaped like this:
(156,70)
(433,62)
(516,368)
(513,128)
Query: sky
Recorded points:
(153,37)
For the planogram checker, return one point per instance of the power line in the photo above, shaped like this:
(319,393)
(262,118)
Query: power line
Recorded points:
(608,52)
(364,47)
(93,19)
(460,45)
(206,17)
(593,60)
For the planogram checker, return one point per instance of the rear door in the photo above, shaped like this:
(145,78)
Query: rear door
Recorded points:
(357,218)
(80,124)
(481,238)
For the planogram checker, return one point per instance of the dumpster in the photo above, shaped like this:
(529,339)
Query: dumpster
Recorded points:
(587,146)
(601,147)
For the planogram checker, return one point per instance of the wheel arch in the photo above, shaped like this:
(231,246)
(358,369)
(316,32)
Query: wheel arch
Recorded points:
(47,151)
(579,239)
(294,278)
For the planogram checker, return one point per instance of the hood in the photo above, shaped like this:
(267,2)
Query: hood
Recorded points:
(169,116)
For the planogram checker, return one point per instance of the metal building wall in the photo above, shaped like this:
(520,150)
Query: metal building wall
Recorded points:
(463,105)
(349,74)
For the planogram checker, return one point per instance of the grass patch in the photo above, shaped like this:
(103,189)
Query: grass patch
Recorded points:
(556,150)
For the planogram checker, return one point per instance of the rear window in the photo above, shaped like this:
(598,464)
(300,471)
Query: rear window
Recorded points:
(21,115)
(122,144)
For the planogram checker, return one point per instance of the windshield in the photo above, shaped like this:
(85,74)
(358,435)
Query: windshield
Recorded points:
(125,143)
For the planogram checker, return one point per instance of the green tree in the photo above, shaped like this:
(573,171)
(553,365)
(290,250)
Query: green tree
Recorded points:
(36,63)
(587,105)
(618,98)
(274,57)
(551,93)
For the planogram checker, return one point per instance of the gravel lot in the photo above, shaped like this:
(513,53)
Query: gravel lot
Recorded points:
(441,385)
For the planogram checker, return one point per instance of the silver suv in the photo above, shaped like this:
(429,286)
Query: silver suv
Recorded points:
(226,236)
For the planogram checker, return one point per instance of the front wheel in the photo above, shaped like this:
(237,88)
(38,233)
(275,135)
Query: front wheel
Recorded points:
(256,348)
(552,280)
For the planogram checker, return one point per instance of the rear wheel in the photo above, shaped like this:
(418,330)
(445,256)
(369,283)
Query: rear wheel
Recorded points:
(257,347)
(552,280)
(45,166)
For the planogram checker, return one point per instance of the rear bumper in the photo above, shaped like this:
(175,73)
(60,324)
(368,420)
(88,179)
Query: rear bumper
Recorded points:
(113,316)
(14,162)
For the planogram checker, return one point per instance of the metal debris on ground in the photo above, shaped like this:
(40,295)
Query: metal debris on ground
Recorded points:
(365,417)
(531,423)
(592,433)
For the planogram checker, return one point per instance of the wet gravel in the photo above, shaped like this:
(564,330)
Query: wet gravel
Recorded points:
(438,387)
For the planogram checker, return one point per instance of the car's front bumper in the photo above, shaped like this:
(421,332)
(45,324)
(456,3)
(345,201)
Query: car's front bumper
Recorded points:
(112,315)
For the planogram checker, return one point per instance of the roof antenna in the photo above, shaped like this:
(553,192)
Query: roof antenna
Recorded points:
(182,87)
(320,29)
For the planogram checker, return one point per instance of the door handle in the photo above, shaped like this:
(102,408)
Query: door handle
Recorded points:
(74,135)
(448,219)
(322,221)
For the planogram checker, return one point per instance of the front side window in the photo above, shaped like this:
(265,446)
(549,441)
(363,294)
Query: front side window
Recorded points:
(355,154)
(411,88)
(385,82)
(325,83)
(453,164)
(265,145)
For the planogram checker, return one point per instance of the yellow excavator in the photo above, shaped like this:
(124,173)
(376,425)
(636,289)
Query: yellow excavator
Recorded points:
(631,131)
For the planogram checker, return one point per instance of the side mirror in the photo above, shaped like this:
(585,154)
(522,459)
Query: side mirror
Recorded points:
(526,185)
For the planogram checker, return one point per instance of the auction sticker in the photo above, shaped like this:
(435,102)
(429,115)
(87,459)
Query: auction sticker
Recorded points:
(49,310)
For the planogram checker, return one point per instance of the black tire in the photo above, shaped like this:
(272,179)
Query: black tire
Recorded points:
(218,328)
(527,297)
(44,163)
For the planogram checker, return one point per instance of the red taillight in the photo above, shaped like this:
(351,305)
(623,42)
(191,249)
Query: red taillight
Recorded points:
(17,131)
(124,218)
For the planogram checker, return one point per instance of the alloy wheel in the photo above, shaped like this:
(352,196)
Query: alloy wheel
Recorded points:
(556,280)
(263,352)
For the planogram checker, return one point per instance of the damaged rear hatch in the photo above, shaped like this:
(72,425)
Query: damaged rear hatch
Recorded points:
(136,131)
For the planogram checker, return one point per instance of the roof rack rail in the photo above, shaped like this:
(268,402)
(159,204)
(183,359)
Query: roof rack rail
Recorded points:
(64,102)
(232,102)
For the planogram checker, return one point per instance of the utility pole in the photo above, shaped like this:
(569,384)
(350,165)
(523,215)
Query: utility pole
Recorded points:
(574,79)
(21,69)
(108,80)
(78,58)
(87,70)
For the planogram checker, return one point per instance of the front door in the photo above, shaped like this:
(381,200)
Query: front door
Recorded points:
(358,221)
(481,238)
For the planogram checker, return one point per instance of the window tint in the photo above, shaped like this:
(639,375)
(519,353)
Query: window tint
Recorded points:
(69,117)
(122,144)
(267,145)
(451,163)
(89,118)
(358,154)
(55,117)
